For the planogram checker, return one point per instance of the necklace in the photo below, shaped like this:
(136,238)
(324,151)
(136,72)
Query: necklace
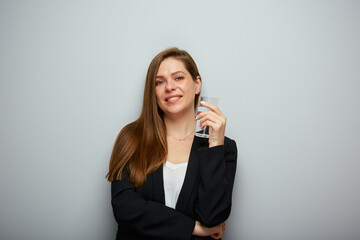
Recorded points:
(182,139)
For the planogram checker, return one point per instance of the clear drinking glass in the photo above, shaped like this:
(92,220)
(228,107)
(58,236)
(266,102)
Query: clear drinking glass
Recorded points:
(205,131)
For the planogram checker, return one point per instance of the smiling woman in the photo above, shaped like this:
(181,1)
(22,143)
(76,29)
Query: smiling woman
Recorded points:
(167,183)
(175,89)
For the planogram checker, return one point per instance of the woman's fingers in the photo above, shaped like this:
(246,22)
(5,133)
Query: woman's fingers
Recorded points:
(211,107)
(216,121)
(220,231)
(217,114)
(206,118)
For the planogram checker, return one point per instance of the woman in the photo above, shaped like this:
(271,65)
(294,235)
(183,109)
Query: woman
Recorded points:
(166,182)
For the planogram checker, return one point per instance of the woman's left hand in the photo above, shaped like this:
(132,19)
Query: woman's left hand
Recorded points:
(216,121)
(216,232)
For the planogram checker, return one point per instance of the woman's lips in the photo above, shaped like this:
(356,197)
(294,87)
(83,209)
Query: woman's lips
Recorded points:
(172,98)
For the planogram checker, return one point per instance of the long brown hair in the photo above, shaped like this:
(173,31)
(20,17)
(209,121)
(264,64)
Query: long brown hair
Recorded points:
(141,146)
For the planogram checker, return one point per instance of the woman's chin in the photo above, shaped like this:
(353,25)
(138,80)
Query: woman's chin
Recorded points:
(178,113)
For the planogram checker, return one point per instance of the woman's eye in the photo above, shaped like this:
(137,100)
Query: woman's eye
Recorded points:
(179,78)
(159,82)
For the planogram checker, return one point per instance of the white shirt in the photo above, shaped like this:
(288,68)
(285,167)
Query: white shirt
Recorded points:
(174,175)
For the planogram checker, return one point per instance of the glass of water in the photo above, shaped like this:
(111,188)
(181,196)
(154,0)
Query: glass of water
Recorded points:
(205,131)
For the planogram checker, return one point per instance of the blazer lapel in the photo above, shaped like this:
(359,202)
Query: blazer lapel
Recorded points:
(191,173)
(158,185)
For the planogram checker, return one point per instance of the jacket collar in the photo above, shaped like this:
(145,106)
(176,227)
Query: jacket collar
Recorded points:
(191,173)
(190,177)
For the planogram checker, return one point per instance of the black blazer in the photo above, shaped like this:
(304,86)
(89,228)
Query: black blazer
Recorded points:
(205,196)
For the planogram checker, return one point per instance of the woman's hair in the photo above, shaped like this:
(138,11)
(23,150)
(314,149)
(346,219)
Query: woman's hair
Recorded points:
(141,146)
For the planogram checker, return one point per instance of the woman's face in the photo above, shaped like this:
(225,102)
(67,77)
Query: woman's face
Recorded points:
(175,89)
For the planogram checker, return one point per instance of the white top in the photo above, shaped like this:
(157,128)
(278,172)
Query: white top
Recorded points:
(174,175)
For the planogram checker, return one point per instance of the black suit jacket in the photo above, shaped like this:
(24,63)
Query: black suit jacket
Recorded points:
(205,196)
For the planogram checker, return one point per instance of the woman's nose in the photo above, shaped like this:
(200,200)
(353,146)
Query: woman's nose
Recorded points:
(170,85)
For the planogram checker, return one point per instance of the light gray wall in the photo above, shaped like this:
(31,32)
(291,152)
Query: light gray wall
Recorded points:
(286,72)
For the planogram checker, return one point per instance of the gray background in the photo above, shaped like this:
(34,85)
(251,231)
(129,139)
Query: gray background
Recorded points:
(286,72)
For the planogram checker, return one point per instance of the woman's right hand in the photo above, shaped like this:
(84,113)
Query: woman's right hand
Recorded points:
(216,232)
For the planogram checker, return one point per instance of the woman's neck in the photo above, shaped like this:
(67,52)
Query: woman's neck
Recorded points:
(180,126)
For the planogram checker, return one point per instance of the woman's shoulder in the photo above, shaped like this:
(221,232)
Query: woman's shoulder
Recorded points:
(230,144)
(229,140)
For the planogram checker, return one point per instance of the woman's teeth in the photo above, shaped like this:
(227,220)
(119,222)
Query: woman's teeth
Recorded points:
(173,98)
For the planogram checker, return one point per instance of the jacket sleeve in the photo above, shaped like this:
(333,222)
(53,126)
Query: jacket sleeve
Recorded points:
(150,218)
(217,174)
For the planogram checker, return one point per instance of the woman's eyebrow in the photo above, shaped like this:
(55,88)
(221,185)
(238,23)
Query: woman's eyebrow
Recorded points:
(172,74)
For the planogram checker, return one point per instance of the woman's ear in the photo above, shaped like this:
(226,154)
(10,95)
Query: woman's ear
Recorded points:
(198,84)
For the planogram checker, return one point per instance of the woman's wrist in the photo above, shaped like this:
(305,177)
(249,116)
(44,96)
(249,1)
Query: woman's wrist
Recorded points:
(215,144)
(196,229)
(200,230)
(213,141)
